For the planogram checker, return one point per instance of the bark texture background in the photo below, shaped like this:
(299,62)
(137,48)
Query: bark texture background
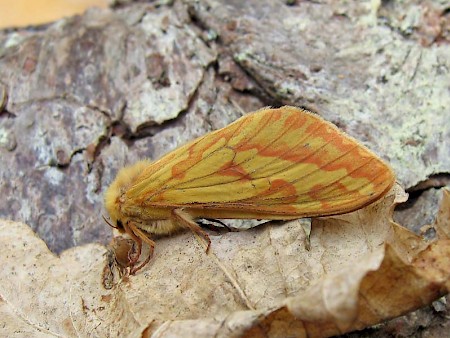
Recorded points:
(84,96)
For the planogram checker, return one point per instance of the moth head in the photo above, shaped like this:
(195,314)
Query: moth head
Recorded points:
(115,195)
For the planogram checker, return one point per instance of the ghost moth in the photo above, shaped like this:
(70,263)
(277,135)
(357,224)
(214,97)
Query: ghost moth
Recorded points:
(272,164)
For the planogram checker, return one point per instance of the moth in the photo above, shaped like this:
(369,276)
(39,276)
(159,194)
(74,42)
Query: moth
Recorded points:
(272,164)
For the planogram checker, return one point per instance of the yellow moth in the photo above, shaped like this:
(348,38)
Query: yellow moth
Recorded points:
(273,164)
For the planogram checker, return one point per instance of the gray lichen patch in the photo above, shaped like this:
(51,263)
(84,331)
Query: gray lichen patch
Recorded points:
(7,137)
(175,65)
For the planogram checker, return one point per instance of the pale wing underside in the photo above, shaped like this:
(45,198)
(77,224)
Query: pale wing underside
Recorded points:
(282,161)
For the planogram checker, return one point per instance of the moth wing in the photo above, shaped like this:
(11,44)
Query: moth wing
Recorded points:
(273,163)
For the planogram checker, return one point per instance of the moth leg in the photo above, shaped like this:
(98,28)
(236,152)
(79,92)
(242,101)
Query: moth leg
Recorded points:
(138,236)
(217,228)
(133,254)
(183,218)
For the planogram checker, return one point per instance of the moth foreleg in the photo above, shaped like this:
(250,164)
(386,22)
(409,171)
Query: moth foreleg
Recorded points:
(138,236)
(185,219)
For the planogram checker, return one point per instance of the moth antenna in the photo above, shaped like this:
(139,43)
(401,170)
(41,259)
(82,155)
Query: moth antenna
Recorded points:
(109,223)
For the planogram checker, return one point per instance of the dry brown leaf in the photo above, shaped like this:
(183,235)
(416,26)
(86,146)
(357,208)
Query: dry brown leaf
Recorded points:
(361,269)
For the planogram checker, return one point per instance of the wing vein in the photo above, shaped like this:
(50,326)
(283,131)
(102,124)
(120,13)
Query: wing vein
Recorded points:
(261,167)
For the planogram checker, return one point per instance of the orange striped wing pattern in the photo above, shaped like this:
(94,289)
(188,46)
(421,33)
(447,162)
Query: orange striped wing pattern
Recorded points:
(271,164)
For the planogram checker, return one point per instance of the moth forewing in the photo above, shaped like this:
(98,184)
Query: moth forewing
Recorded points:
(273,164)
